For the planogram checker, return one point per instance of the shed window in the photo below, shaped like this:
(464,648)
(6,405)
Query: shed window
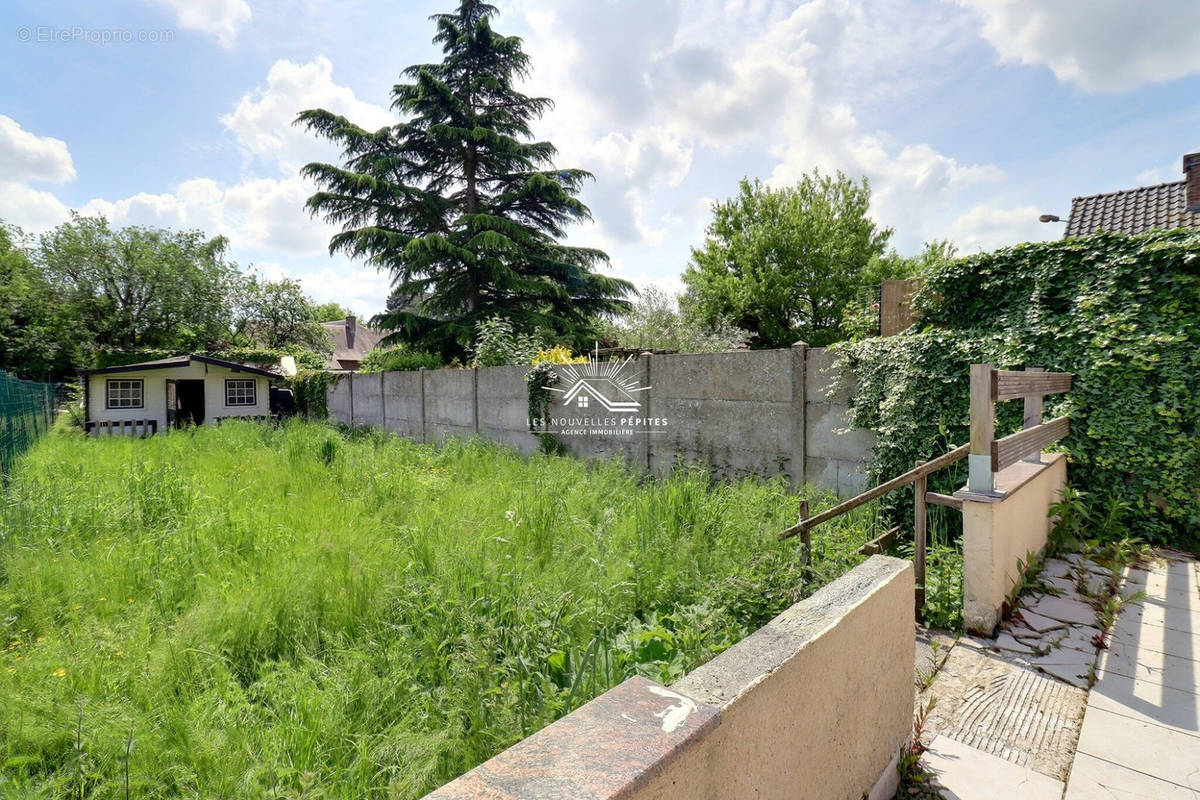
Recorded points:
(124,393)
(239,392)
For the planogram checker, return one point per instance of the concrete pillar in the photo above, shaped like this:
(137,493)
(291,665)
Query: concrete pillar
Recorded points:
(799,378)
(646,436)
(1001,531)
(424,415)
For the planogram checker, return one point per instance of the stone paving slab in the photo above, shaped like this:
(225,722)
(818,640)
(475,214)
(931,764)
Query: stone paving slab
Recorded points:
(1039,623)
(1151,612)
(964,773)
(1147,702)
(1141,733)
(1156,638)
(1166,754)
(1064,609)
(1174,577)
(1095,779)
(1165,669)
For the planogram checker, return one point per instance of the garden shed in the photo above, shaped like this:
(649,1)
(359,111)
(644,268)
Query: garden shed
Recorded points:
(144,398)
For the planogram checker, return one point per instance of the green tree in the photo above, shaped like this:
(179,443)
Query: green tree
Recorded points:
(139,288)
(783,263)
(659,321)
(39,338)
(331,312)
(458,204)
(277,315)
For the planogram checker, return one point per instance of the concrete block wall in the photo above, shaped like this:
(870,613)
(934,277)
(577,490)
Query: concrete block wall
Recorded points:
(813,706)
(765,412)
(403,404)
(834,453)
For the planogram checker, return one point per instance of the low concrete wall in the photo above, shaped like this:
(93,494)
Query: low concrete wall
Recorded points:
(813,706)
(998,531)
(764,412)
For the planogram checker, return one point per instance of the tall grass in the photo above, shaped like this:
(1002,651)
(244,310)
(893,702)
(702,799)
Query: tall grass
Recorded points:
(249,611)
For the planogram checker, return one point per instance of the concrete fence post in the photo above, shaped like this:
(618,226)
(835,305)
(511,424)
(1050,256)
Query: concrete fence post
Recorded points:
(475,397)
(424,416)
(382,401)
(646,439)
(799,379)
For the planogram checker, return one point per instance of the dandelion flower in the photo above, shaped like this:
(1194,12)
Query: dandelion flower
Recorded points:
(103,599)
(60,673)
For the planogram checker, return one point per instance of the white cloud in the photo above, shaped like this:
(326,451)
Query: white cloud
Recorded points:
(25,156)
(1099,45)
(262,120)
(31,209)
(258,213)
(221,19)
(729,81)
(986,227)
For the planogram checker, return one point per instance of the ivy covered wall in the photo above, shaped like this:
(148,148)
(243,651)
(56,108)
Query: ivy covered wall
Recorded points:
(1120,312)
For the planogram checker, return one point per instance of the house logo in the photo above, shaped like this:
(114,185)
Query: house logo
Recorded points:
(600,384)
(601,398)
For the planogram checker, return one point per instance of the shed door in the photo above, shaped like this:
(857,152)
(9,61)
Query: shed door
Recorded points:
(172,404)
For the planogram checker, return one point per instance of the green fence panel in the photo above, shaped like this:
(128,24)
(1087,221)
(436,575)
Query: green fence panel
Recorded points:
(26,412)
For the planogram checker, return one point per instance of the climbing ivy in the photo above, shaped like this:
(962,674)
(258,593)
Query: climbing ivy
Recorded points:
(310,389)
(537,383)
(1120,312)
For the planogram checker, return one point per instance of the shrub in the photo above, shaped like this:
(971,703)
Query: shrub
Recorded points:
(499,344)
(399,359)
(1120,312)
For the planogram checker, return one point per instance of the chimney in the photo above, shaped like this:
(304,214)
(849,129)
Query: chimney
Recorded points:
(1191,169)
(352,323)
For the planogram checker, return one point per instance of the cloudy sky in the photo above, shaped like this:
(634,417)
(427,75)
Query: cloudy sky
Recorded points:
(969,117)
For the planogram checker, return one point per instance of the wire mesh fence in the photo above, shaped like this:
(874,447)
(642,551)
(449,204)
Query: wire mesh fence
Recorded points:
(26,412)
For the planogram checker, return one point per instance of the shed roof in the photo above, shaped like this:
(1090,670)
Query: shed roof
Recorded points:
(1139,210)
(178,361)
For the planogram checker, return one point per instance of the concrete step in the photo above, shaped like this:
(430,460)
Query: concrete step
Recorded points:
(964,773)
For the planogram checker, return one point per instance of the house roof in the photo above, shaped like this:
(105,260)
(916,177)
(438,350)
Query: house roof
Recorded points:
(365,340)
(1138,210)
(178,361)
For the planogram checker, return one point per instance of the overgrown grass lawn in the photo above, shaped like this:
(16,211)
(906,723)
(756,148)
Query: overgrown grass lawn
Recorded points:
(248,611)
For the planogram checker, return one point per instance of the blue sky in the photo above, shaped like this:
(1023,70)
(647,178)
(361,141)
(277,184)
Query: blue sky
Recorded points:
(970,117)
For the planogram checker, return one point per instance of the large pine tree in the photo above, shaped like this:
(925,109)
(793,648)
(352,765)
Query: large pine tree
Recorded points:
(457,202)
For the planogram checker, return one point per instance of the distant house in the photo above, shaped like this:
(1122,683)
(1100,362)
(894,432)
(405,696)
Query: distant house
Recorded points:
(1147,208)
(142,399)
(351,343)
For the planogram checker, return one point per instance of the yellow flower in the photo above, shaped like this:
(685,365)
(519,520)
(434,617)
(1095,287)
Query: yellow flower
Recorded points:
(103,599)
(60,673)
(41,638)
(76,607)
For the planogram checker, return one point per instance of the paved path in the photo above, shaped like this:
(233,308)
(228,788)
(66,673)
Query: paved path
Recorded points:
(1014,718)
(1141,729)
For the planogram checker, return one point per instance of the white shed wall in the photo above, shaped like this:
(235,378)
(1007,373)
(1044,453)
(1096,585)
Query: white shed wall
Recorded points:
(155,394)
